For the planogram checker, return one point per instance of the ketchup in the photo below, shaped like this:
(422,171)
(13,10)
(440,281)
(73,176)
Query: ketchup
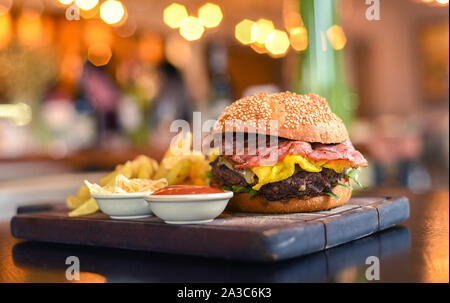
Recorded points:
(187,190)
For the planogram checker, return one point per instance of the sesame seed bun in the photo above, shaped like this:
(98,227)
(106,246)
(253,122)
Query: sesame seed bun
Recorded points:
(242,202)
(305,118)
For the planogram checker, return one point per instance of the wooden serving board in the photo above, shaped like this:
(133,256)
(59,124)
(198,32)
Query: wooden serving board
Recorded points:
(239,236)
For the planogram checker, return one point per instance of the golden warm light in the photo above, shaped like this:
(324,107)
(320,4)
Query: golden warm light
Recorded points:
(336,36)
(90,13)
(71,67)
(97,32)
(246,31)
(258,49)
(210,15)
(265,28)
(299,38)
(99,54)
(174,15)
(191,29)
(29,30)
(150,48)
(112,11)
(436,248)
(178,51)
(65,2)
(86,4)
(434,2)
(127,29)
(90,277)
(5,30)
(277,42)
(292,20)
(5,6)
(263,38)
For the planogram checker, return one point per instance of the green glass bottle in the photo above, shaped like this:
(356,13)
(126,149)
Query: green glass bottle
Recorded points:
(321,66)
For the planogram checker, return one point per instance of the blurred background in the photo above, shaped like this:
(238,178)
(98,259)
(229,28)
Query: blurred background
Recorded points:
(88,84)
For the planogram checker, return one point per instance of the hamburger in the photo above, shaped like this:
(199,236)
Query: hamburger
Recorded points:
(308,169)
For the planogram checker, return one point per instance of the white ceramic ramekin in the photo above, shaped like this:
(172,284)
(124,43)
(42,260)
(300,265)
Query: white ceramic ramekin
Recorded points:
(123,206)
(188,209)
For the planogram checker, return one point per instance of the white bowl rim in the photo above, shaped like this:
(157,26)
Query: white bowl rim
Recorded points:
(189,198)
(119,196)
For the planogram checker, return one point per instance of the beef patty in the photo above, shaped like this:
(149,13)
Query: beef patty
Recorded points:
(300,184)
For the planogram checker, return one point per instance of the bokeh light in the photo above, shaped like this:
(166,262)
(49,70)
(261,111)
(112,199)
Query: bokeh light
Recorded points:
(299,38)
(246,31)
(5,30)
(178,51)
(127,29)
(150,48)
(71,67)
(434,2)
(19,114)
(89,14)
(5,6)
(174,15)
(336,36)
(210,15)
(191,29)
(265,28)
(97,32)
(277,42)
(112,11)
(29,29)
(258,49)
(99,54)
(33,8)
(292,19)
(65,2)
(23,114)
(86,4)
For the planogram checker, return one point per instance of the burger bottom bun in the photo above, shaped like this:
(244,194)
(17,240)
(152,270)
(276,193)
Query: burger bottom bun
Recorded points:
(242,202)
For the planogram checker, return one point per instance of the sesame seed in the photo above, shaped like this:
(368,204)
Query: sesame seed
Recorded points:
(299,110)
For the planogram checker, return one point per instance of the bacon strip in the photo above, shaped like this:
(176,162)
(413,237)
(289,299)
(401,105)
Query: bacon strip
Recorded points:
(317,152)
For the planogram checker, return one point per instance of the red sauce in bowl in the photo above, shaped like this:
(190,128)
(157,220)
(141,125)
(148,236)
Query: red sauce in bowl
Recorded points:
(186,190)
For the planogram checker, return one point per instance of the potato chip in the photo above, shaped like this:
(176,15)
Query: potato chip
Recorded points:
(73,202)
(123,185)
(181,165)
(141,167)
(87,208)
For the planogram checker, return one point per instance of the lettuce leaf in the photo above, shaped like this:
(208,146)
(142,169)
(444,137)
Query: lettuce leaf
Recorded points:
(240,189)
(331,194)
(353,174)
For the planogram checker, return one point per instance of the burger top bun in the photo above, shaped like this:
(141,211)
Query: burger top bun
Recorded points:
(305,118)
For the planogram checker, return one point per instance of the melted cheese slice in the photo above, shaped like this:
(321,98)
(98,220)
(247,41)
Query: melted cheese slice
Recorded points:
(337,165)
(214,153)
(286,168)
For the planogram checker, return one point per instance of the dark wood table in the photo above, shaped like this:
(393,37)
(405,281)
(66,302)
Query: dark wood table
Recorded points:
(416,251)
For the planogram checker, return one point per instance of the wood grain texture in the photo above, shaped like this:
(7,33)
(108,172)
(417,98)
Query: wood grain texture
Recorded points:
(239,236)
